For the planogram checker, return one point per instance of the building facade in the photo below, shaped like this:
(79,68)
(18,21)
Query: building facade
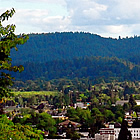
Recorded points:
(113,133)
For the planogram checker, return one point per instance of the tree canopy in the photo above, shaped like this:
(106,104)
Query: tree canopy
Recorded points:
(8,40)
(9,130)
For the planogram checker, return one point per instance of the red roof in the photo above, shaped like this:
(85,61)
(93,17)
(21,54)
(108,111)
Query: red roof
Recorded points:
(65,123)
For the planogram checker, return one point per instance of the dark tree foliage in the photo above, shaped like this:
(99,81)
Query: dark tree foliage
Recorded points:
(136,124)
(124,133)
(97,68)
(68,45)
(132,101)
(57,55)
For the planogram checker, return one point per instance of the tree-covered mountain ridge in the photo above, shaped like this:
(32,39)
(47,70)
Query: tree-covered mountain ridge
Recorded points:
(68,45)
(70,55)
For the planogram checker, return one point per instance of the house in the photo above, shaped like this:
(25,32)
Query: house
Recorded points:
(138,114)
(60,117)
(138,102)
(84,134)
(121,102)
(68,122)
(81,105)
(112,125)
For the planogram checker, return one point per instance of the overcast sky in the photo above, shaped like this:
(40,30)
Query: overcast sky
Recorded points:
(108,18)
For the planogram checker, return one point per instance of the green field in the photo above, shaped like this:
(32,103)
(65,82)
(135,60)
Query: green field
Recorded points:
(31,93)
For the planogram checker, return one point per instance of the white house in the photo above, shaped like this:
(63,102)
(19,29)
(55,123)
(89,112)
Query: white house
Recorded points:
(80,104)
(121,102)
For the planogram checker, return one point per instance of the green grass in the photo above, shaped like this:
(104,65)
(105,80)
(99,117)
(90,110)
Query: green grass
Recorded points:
(31,93)
(11,108)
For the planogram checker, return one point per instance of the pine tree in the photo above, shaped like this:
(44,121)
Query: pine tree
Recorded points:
(132,101)
(124,133)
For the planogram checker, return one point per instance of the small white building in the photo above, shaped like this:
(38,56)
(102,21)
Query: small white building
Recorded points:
(138,102)
(80,104)
(121,102)
(84,134)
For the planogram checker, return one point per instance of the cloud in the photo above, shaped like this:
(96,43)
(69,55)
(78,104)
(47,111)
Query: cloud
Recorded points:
(57,23)
(85,12)
(33,21)
(46,1)
(114,17)
(124,12)
(104,17)
(25,16)
(108,12)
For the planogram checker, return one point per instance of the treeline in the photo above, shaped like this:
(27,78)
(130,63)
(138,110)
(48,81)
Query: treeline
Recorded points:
(68,45)
(87,67)
(81,88)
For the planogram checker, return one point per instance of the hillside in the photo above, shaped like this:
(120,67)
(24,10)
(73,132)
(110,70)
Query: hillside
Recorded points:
(88,67)
(70,55)
(68,45)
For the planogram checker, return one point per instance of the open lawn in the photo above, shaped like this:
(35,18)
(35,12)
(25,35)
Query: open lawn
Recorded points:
(31,93)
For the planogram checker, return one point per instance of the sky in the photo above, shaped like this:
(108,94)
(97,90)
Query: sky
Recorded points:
(107,18)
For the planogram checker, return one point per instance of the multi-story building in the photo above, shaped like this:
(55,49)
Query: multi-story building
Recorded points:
(113,133)
(105,134)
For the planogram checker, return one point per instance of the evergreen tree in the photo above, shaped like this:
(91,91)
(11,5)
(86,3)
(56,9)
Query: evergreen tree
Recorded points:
(132,101)
(124,133)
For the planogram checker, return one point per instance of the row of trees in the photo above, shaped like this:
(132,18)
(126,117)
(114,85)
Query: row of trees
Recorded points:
(83,89)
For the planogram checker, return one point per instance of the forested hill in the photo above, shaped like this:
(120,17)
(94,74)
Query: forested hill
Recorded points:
(82,55)
(68,45)
(88,67)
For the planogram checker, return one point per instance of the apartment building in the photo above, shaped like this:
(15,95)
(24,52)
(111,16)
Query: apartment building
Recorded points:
(113,133)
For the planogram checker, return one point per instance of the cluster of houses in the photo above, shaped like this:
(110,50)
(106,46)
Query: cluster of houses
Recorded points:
(111,132)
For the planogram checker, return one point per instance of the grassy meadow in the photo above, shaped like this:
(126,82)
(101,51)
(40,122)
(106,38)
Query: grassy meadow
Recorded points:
(31,93)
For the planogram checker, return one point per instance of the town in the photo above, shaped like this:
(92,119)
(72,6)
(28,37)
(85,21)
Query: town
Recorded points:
(96,113)
(71,85)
